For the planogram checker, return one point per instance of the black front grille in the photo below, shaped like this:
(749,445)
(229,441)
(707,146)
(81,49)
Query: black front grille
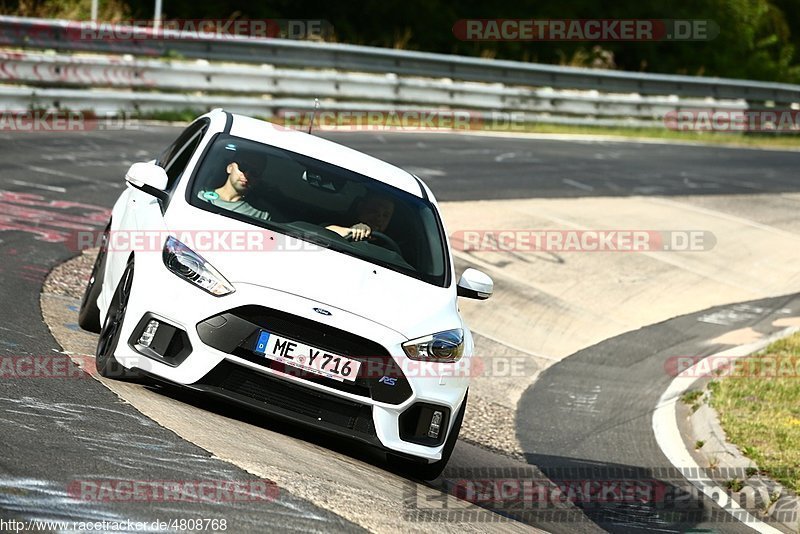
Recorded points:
(311,332)
(236,331)
(311,406)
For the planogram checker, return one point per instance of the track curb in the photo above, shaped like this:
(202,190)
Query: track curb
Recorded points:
(669,438)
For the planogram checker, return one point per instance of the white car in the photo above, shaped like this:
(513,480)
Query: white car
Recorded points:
(292,274)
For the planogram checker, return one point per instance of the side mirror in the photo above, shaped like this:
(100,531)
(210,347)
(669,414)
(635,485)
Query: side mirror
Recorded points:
(148,177)
(475,284)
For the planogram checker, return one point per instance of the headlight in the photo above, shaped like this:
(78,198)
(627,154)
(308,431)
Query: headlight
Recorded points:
(446,347)
(191,266)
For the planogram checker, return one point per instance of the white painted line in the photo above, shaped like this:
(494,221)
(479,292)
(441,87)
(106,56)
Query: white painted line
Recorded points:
(425,171)
(504,156)
(668,435)
(39,186)
(54,172)
(579,185)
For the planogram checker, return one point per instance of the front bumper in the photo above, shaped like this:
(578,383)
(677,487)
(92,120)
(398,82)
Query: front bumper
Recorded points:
(369,410)
(291,401)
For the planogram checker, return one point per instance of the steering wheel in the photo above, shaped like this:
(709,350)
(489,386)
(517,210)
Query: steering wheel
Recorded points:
(390,243)
(385,240)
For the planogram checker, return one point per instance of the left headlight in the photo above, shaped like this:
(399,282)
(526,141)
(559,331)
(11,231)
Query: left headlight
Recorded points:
(192,267)
(444,347)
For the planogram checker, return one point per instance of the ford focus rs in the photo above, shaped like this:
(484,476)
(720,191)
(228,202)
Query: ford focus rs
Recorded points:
(289,273)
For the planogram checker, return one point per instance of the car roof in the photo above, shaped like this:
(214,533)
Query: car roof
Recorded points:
(325,150)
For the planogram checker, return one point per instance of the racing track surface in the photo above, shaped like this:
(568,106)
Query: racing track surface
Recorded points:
(599,399)
(58,431)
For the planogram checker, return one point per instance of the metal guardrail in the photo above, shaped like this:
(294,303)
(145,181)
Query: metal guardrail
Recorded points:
(66,36)
(143,83)
(107,102)
(115,83)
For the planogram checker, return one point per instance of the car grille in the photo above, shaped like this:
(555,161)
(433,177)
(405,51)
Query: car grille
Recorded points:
(274,392)
(234,332)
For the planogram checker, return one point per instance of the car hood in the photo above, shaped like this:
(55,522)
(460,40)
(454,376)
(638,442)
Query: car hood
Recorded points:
(338,281)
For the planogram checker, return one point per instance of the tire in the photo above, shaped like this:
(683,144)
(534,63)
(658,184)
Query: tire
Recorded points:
(107,365)
(89,314)
(431,471)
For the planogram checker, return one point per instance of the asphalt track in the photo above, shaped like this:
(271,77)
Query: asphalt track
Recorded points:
(59,431)
(599,404)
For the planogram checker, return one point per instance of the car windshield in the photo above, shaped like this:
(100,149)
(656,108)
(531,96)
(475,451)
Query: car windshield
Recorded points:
(316,201)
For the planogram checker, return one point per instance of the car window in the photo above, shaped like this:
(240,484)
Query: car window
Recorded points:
(316,201)
(168,152)
(177,155)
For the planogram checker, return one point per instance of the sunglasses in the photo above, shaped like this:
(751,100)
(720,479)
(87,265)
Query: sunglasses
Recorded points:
(245,168)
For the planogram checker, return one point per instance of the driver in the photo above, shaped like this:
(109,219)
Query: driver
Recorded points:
(373,213)
(231,195)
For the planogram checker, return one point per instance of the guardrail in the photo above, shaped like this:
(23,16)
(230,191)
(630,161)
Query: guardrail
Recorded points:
(266,90)
(66,36)
(346,79)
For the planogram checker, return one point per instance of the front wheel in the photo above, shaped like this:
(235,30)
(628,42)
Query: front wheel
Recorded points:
(107,365)
(89,315)
(431,471)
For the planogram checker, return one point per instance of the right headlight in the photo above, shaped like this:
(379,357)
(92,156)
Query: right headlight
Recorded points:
(444,347)
(192,267)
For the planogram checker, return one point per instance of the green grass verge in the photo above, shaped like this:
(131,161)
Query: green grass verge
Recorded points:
(762,140)
(783,140)
(755,139)
(759,409)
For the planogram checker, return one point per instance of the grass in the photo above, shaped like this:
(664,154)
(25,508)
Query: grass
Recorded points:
(752,139)
(761,140)
(783,140)
(690,397)
(693,398)
(759,409)
(734,484)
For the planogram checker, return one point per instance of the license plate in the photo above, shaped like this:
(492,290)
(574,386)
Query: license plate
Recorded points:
(306,357)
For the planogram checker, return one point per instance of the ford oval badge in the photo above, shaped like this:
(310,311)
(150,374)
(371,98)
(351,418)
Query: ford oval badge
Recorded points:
(321,311)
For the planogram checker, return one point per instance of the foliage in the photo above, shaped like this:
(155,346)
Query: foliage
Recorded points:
(758,39)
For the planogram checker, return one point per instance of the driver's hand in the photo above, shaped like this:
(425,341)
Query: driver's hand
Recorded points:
(359,232)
